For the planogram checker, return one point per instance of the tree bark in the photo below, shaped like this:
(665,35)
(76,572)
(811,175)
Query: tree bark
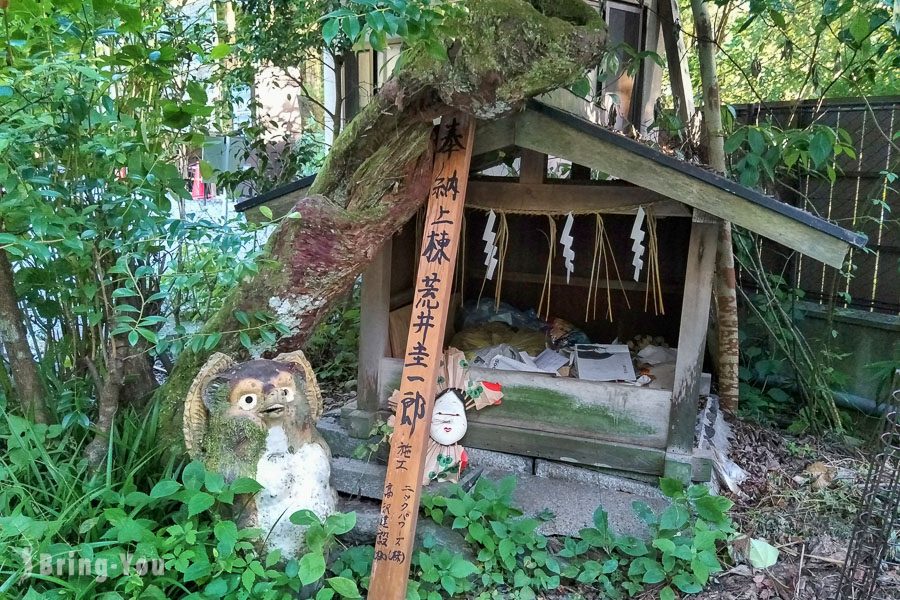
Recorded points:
(377,173)
(29,387)
(107,403)
(725,285)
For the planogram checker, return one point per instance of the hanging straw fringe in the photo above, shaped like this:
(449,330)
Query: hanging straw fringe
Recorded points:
(502,244)
(548,283)
(654,283)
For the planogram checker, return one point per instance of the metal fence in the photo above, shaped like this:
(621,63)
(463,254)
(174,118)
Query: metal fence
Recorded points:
(874,539)
(854,200)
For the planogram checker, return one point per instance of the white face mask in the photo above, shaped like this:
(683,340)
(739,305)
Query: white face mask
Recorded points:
(449,423)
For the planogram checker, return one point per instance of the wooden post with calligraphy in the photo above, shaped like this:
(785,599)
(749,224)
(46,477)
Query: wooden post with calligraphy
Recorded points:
(424,348)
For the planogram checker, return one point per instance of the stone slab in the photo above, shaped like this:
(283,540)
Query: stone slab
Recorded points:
(500,461)
(554,470)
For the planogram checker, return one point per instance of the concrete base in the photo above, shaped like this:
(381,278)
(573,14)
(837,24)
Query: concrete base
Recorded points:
(571,493)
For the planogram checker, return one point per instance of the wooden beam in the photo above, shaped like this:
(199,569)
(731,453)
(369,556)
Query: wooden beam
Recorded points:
(542,133)
(698,281)
(566,448)
(491,136)
(374,309)
(539,199)
(424,347)
(581,282)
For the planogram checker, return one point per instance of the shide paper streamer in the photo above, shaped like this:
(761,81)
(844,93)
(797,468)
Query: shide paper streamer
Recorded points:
(637,234)
(565,240)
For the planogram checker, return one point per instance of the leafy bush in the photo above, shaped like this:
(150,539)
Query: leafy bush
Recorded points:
(683,551)
(137,536)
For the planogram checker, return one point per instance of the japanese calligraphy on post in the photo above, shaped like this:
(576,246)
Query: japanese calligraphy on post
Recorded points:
(434,277)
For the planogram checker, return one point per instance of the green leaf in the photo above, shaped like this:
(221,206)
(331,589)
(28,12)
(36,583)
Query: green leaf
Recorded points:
(667,593)
(304,517)
(199,502)
(340,523)
(462,568)
(756,140)
(713,508)
(735,140)
(820,148)
(206,171)
(196,571)
(654,574)
(245,485)
(220,51)
(330,30)
(245,340)
(266,212)
(581,88)
(312,567)
(859,27)
(217,588)
(664,545)
(675,517)
(686,583)
(345,587)
(700,570)
(194,475)
(164,488)
(671,488)
(762,554)
(325,594)
(227,534)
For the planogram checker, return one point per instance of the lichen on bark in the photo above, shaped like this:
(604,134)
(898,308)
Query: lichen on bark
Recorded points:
(377,173)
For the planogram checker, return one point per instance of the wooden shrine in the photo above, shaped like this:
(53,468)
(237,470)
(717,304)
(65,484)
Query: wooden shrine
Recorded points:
(640,431)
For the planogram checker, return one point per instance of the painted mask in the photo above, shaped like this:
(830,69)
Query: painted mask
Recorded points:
(449,423)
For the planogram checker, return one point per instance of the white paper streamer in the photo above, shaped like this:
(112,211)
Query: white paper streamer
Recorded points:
(490,246)
(565,240)
(637,234)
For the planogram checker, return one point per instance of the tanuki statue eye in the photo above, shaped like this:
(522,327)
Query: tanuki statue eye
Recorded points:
(247,401)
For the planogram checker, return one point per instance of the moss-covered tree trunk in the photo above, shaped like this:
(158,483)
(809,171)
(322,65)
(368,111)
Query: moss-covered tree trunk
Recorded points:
(377,172)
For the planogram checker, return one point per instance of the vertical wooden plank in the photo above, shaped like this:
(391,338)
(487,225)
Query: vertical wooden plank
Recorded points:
(374,314)
(434,279)
(532,167)
(698,282)
(676,58)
